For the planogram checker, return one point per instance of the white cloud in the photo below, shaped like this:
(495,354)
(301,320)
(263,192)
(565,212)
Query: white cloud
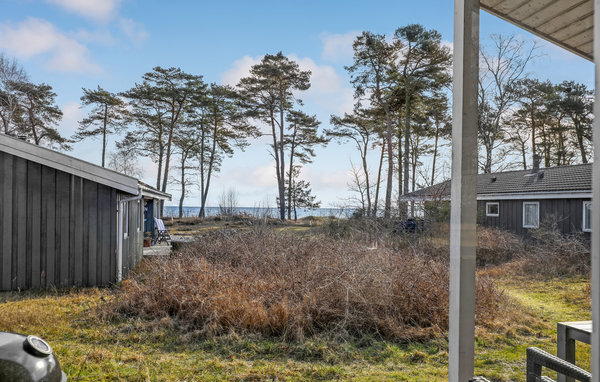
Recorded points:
(328,88)
(72,114)
(97,10)
(239,69)
(258,177)
(133,30)
(338,47)
(33,37)
(325,179)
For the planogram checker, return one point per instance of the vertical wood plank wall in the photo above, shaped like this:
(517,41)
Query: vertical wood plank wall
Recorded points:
(566,214)
(57,229)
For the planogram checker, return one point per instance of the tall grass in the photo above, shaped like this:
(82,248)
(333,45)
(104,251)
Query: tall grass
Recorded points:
(276,283)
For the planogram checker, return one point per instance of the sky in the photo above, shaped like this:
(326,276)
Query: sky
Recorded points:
(75,44)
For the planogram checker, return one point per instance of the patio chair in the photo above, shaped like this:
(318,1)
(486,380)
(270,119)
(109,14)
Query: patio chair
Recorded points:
(537,358)
(161,232)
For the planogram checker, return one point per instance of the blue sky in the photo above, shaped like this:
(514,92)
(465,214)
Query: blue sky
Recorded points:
(71,44)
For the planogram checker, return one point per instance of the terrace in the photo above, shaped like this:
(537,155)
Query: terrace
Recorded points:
(569,24)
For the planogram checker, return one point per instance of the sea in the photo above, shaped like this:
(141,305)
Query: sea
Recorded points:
(261,212)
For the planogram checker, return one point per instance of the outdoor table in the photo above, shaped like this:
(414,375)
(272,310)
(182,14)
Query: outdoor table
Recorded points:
(566,335)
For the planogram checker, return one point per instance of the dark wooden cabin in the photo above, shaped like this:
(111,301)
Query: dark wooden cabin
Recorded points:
(520,201)
(59,219)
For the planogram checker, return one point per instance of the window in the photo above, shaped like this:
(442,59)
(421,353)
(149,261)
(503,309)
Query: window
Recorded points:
(492,209)
(587,216)
(531,214)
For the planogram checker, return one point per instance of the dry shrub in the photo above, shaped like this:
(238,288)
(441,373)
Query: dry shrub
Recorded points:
(285,285)
(552,254)
(496,246)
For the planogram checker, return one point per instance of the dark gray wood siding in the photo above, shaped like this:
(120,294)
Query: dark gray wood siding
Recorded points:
(58,229)
(565,214)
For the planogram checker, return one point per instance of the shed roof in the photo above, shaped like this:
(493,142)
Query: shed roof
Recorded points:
(68,164)
(570,180)
(151,192)
(566,23)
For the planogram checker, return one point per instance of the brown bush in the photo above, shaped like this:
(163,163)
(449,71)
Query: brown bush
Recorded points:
(496,246)
(282,284)
(552,254)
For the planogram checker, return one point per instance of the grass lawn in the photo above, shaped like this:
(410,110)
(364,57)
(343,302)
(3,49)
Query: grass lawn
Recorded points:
(90,349)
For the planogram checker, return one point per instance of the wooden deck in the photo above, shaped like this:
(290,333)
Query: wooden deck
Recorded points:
(162,249)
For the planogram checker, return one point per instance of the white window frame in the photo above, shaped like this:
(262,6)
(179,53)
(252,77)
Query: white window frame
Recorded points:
(140,218)
(537,204)
(585,204)
(487,209)
(125,220)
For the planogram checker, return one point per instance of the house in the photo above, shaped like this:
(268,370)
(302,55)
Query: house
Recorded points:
(519,201)
(571,25)
(66,222)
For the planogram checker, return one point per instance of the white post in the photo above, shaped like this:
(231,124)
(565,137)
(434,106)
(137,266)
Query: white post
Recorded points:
(463,237)
(595,361)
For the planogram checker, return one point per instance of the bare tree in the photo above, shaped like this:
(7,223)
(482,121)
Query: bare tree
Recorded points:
(11,76)
(125,158)
(228,202)
(501,68)
(362,128)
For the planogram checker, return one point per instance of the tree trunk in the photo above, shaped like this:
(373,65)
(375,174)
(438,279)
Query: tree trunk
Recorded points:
(182,185)
(435,151)
(390,173)
(580,143)
(277,164)
(202,212)
(104,134)
(290,178)
(367,184)
(36,139)
(400,164)
(211,163)
(161,152)
(533,148)
(282,161)
(406,138)
(168,156)
(376,201)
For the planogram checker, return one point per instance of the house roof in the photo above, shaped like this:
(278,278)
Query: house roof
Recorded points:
(68,164)
(149,191)
(560,182)
(566,23)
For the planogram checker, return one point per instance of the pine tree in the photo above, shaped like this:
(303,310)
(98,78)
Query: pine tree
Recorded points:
(108,116)
(424,65)
(38,115)
(374,63)
(268,94)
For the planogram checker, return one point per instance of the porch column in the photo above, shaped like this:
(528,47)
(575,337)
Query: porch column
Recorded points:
(463,238)
(595,361)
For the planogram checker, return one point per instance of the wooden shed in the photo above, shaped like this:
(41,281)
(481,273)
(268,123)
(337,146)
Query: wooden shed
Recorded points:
(519,201)
(65,222)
